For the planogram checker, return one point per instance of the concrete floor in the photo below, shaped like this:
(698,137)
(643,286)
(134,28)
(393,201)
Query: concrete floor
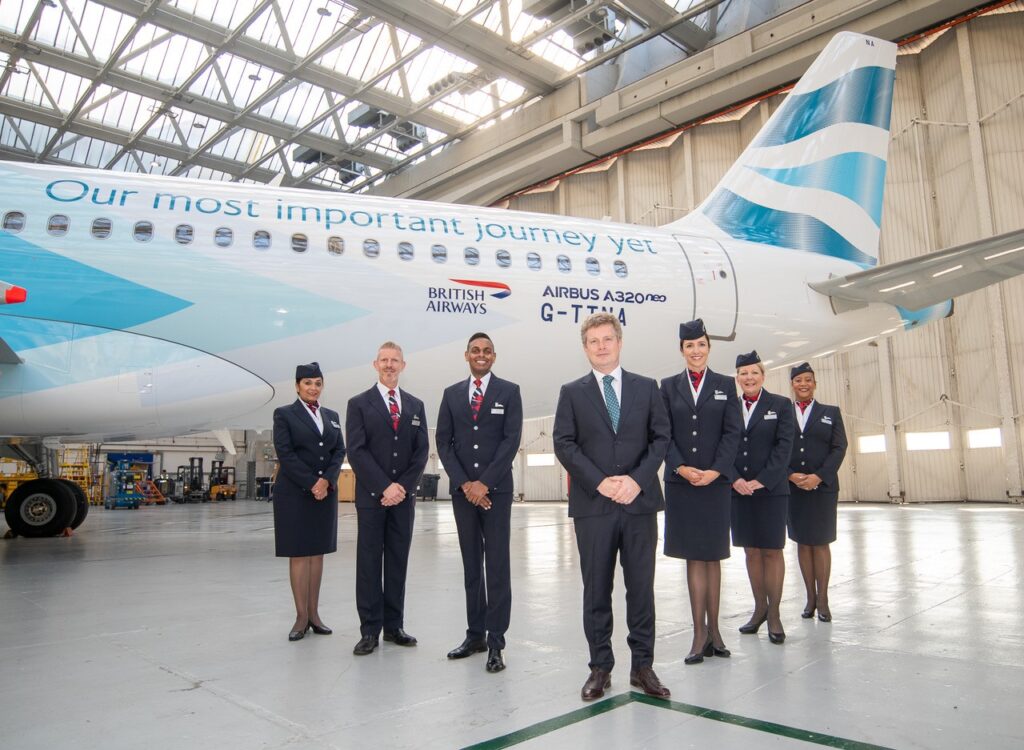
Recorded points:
(165,628)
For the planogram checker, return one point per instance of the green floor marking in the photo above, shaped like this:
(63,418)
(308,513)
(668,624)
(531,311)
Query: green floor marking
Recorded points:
(596,709)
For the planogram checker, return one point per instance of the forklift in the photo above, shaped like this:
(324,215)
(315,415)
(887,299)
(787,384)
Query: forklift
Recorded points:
(222,482)
(189,482)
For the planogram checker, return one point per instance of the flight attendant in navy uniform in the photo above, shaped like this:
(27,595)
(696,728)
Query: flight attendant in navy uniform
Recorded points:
(479,427)
(310,448)
(387,448)
(818,452)
(760,492)
(706,426)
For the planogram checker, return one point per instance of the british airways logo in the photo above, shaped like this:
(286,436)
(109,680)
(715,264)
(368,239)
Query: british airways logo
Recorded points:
(467,296)
(501,290)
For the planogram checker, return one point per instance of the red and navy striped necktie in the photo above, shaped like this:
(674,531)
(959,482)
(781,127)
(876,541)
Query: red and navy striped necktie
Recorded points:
(477,399)
(393,408)
(695,378)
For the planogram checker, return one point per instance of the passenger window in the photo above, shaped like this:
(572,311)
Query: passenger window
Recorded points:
(101,228)
(533,261)
(472,256)
(620,269)
(504,258)
(261,239)
(58,225)
(14,221)
(593,266)
(223,237)
(405,250)
(371,248)
(438,253)
(564,264)
(299,243)
(143,231)
(335,245)
(184,234)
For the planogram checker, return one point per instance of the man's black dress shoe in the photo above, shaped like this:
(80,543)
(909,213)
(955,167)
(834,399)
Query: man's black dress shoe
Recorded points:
(645,679)
(399,637)
(754,625)
(366,645)
(467,648)
(495,662)
(298,635)
(779,637)
(596,684)
(320,629)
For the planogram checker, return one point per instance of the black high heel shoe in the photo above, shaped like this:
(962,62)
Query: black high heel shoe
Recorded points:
(807,614)
(779,637)
(824,616)
(711,648)
(319,629)
(754,625)
(298,635)
(698,656)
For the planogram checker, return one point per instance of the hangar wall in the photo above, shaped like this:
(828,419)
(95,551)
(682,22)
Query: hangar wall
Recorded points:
(956,173)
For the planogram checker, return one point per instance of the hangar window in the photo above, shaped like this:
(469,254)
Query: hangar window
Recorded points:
(143,231)
(223,237)
(472,256)
(58,225)
(620,269)
(14,221)
(593,266)
(299,243)
(371,248)
(405,250)
(504,258)
(533,261)
(183,234)
(261,239)
(101,228)
(438,253)
(564,264)
(335,245)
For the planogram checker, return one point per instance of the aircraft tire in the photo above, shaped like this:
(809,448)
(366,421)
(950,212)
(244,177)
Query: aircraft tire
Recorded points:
(81,501)
(41,507)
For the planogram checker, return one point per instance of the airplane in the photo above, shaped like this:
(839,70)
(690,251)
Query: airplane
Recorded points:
(140,306)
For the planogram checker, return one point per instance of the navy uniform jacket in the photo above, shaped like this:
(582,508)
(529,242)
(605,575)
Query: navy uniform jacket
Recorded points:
(705,435)
(821,447)
(766,443)
(379,455)
(590,450)
(482,450)
(303,454)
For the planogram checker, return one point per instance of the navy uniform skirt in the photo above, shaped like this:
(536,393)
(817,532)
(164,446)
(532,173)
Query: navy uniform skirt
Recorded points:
(812,516)
(303,526)
(697,521)
(759,520)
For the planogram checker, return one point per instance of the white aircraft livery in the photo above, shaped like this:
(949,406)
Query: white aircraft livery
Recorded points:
(138,306)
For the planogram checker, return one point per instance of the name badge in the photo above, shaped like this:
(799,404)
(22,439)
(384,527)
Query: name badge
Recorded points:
(496,410)
(721,397)
(335,425)
(771,415)
(826,420)
(415,421)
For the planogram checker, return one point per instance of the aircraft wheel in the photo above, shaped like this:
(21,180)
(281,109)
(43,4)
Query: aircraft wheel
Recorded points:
(82,509)
(41,507)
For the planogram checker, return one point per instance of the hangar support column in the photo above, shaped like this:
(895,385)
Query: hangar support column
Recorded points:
(993,294)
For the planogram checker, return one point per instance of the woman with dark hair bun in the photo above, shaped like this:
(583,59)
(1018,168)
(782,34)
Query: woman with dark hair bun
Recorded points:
(310,448)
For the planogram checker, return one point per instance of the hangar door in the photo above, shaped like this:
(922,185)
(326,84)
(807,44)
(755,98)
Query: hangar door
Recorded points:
(714,285)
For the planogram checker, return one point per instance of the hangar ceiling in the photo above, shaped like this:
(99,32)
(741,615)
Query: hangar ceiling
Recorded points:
(335,94)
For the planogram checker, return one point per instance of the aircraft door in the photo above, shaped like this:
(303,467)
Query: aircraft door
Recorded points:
(714,285)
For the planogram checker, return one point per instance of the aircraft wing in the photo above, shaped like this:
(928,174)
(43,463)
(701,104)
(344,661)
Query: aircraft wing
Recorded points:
(929,279)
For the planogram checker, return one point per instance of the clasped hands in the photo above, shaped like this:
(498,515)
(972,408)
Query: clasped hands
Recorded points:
(744,487)
(476,492)
(697,477)
(621,489)
(393,494)
(805,481)
(320,489)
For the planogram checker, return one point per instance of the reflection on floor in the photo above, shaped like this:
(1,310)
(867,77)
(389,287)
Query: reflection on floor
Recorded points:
(166,627)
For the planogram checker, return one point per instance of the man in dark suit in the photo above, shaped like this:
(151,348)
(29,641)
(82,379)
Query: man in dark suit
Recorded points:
(611,433)
(388,444)
(478,431)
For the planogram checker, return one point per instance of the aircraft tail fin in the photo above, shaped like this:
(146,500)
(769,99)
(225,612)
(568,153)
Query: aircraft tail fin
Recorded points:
(812,178)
